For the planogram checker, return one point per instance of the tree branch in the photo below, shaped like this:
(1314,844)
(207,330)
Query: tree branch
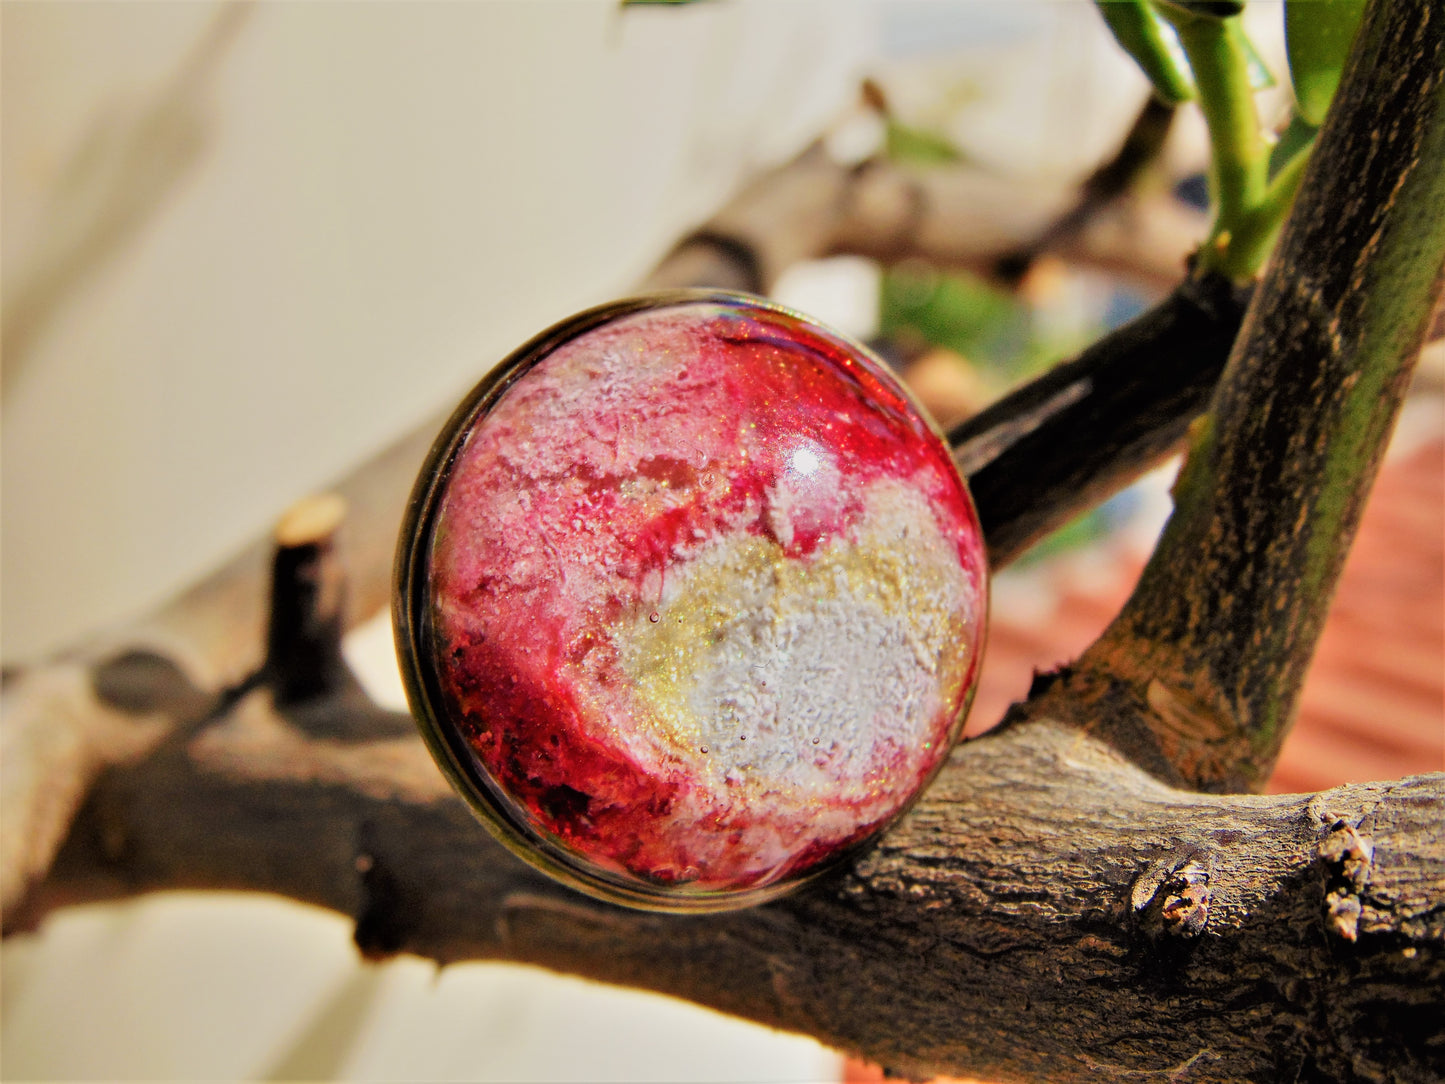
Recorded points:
(1068,440)
(1239,163)
(1205,663)
(303,636)
(1112,180)
(1048,910)
(955,217)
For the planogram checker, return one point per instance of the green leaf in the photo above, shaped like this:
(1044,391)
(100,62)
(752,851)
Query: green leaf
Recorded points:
(962,313)
(1317,37)
(906,143)
(1093,525)
(1297,135)
(1153,44)
(957,311)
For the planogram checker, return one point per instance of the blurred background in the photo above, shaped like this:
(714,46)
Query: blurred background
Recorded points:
(246,245)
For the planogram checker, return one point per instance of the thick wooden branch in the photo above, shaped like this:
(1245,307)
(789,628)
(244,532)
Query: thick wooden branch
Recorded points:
(1048,911)
(1203,668)
(113,699)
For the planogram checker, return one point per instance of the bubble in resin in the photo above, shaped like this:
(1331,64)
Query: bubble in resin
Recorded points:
(691,600)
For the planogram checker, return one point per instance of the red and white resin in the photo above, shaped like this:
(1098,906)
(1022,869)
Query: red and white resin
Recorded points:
(707,597)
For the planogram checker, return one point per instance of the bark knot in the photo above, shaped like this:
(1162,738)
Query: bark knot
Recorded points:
(1171,899)
(1347,856)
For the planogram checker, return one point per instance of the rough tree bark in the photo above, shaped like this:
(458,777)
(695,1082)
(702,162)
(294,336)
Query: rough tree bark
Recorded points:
(1063,903)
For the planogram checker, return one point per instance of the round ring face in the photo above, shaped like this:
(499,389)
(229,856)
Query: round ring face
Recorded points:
(691,601)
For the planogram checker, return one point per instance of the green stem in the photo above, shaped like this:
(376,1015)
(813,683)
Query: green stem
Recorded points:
(1140,30)
(1252,240)
(1219,58)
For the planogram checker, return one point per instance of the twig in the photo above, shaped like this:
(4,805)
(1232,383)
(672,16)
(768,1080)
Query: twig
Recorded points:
(1106,184)
(954,217)
(303,637)
(1069,439)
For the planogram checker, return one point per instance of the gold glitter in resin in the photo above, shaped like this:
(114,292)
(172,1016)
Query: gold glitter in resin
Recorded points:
(805,677)
(701,600)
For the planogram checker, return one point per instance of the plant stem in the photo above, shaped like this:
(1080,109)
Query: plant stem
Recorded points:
(1252,240)
(1219,58)
(1214,644)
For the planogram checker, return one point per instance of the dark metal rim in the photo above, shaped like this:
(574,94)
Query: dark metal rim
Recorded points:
(411,629)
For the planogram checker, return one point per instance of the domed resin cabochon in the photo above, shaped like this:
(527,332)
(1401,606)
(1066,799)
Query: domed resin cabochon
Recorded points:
(695,601)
